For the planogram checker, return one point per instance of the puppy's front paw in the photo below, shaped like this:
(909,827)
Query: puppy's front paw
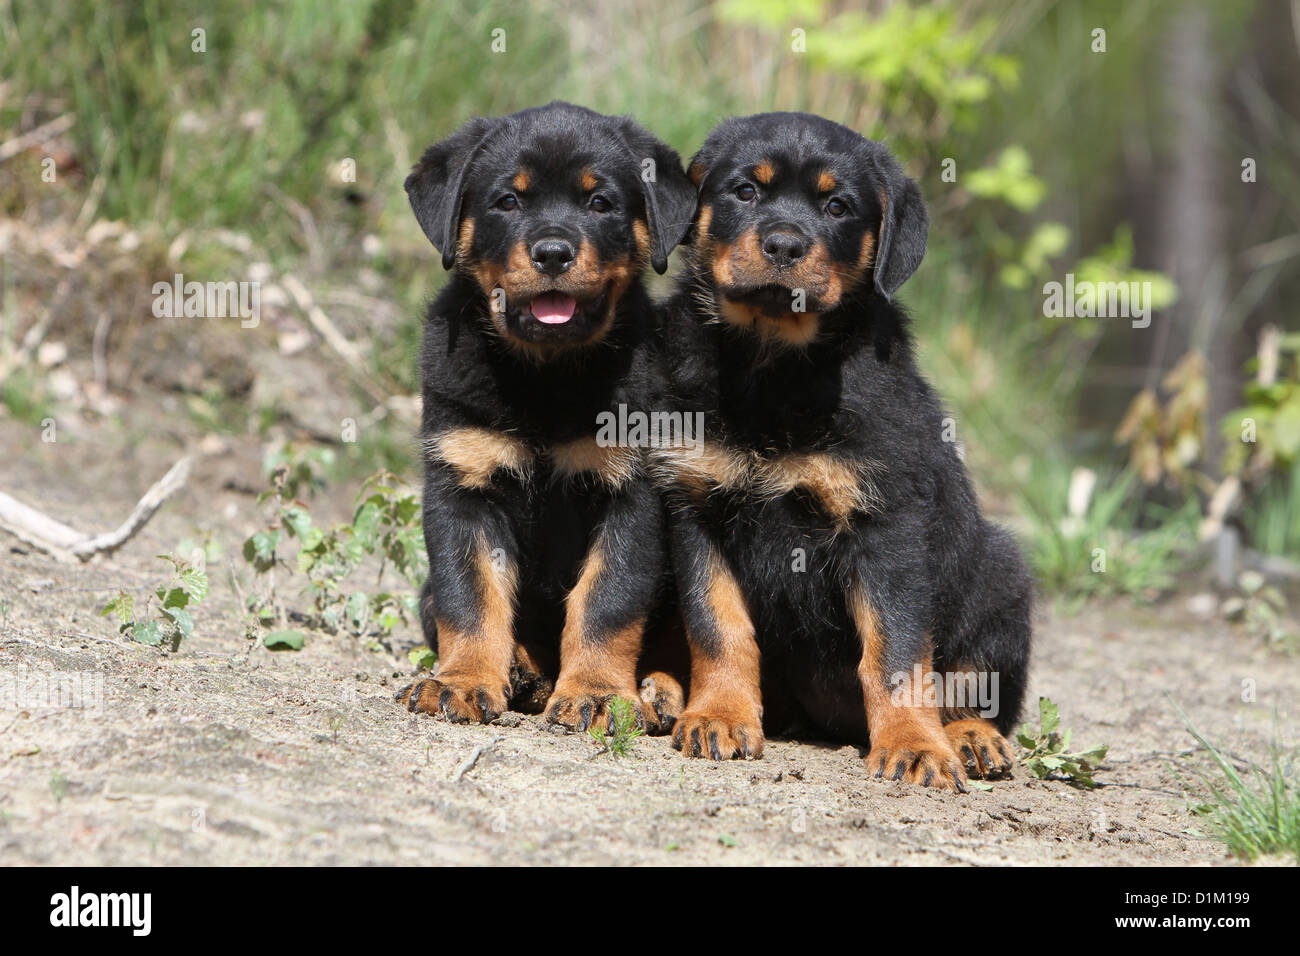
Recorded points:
(664,700)
(983,750)
(459,700)
(722,733)
(919,757)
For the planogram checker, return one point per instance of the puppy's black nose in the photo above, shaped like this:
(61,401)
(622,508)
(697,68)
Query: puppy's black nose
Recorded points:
(784,248)
(552,256)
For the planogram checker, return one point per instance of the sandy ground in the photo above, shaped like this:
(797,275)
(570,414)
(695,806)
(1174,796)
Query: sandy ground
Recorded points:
(228,753)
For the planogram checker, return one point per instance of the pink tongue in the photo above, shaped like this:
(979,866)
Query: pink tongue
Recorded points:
(554,308)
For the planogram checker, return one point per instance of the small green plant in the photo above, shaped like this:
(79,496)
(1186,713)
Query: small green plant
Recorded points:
(1106,550)
(385,523)
(422,658)
(625,729)
(1257,812)
(1048,754)
(168,618)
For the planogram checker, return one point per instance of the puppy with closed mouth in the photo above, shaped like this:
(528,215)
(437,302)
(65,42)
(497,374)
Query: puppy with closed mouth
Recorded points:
(833,567)
(545,547)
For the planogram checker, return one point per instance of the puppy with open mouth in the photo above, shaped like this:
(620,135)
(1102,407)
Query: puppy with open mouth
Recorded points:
(545,547)
(833,567)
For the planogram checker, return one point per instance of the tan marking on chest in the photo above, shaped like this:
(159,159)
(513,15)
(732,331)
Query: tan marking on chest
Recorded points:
(477,454)
(614,465)
(842,487)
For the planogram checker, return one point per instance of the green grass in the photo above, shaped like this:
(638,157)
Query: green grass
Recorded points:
(1255,812)
(1121,546)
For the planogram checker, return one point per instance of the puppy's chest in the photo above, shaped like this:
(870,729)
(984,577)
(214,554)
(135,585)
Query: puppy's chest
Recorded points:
(484,459)
(816,489)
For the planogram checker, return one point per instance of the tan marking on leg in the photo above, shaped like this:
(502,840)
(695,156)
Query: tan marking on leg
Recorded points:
(907,737)
(477,453)
(724,717)
(472,682)
(594,667)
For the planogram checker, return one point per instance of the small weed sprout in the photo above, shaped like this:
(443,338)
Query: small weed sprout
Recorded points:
(624,730)
(168,619)
(1048,754)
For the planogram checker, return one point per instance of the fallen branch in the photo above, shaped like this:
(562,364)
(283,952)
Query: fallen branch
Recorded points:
(70,545)
(36,137)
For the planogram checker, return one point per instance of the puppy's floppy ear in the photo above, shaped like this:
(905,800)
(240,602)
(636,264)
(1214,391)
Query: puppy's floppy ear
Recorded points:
(669,195)
(904,223)
(437,184)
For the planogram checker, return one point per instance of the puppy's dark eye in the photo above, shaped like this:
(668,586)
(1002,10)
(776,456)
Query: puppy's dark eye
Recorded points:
(837,207)
(507,202)
(600,204)
(746,192)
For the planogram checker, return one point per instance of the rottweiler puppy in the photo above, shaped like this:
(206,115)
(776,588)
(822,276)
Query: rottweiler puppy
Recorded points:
(546,545)
(832,563)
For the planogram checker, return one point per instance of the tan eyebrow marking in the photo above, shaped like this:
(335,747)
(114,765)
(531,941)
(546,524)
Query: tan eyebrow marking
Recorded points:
(764,172)
(696,173)
(587,180)
(826,182)
(521,181)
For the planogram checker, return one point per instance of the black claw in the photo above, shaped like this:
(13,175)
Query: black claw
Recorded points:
(929,778)
(898,771)
(714,750)
(697,748)
(416,690)
(584,717)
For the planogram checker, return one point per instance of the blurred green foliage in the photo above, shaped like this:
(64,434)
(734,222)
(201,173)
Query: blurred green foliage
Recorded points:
(1011,124)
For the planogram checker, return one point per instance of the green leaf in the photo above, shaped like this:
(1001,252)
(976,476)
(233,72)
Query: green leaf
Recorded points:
(195,583)
(259,550)
(123,606)
(1049,717)
(284,640)
(364,524)
(297,520)
(148,632)
(173,597)
(422,657)
(358,609)
(184,622)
